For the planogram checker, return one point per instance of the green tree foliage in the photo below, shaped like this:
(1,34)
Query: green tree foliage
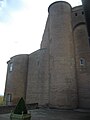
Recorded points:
(21,107)
(1,100)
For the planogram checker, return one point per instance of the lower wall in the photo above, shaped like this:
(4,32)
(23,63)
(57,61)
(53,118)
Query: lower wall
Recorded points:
(8,109)
(38,78)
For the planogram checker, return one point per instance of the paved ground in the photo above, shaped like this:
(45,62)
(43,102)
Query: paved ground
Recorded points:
(55,114)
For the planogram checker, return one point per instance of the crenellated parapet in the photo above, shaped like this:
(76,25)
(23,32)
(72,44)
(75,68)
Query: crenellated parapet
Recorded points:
(78,16)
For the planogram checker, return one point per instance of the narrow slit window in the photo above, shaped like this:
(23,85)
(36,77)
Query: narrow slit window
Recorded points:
(38,63)
(82,61)
(75,14)
(11,67)
(82,12)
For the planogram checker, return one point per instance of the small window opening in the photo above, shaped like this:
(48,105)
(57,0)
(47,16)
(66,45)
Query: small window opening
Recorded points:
(82,13)
(82,61)
(9,97)
(75,14)
(50,40)
(11,67)
(38,63)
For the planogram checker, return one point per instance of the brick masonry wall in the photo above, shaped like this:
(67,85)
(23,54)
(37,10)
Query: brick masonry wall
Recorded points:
(63,91)
(82,51)
(17,78)
(37,85)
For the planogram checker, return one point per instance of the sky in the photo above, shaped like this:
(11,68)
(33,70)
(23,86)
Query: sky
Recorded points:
(22,24)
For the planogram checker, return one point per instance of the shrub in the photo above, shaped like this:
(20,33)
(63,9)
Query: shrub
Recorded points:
(21,107)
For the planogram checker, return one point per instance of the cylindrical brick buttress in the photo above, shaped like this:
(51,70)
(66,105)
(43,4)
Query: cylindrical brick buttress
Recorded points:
(63,90)
(16,78)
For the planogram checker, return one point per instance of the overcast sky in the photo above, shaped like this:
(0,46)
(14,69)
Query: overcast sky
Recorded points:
(22,24)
